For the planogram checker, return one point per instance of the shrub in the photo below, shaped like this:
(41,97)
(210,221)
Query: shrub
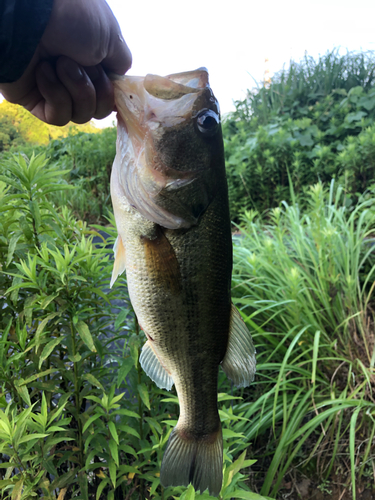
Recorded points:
(78,417)
(309,122)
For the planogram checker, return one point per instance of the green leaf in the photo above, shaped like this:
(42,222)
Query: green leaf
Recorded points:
(121,318)
(17,490)
(128,449)
(39,375)
(367,103)
(101,487)
(47,300)
(227,434)
(34,209)
(95,399)
(43,407)
(112,430)
(24,393)
(134,349)
(83,484)
(315,356)
(233,469)
(114,451)
(76,358)
(129,430)
(41,327)
(189,494)
(93,381)
(48,349)
(25,228)
(91,420)
(115,399)
(16,284)
(85,335)
(128,413)
(30,437)
(126,366)
(155,424)
(353,422)
(12,247)
(112,472)
(5,482)
(64,480)
(355,117)
(142,391)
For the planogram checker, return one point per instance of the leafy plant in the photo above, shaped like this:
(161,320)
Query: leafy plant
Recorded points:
(298,279)
(315,122)
(78,417)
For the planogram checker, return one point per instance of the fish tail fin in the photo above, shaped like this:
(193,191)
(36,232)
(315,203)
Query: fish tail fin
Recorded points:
(196,461)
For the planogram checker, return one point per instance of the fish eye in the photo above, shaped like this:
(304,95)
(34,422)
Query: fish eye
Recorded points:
(208,122)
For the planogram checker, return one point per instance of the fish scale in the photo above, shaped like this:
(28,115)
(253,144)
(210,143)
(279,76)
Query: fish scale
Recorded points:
(170,201)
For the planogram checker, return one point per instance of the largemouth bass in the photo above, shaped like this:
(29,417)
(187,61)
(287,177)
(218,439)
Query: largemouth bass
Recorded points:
(170,200)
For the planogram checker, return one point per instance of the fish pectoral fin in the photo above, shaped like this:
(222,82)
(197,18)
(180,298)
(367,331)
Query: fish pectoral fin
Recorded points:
(196,461)
(119,264)
(161,260)
(239,362)
(153,367)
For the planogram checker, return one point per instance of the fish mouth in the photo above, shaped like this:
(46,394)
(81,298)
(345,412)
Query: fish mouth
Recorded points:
(149,109)
(177,85)
(152,101)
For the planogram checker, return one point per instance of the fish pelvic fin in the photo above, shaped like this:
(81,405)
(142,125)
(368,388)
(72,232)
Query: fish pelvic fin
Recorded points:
(153,367)
(196,461)
(119,264)
(239,362)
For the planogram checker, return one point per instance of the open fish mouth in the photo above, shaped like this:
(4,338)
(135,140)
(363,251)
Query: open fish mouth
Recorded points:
(155,115)
(154,99)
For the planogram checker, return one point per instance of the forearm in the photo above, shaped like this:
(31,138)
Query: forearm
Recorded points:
(22,24)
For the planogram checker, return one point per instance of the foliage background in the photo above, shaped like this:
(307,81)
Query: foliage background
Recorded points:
(315,121)
(79,418)
(18,127)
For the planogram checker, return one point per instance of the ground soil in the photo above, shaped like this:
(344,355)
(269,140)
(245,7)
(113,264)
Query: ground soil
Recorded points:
(306,489)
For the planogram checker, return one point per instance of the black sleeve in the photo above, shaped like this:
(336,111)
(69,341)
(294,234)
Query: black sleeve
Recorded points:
(22,24)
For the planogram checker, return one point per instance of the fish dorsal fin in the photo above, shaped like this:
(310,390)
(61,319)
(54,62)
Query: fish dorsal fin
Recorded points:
(119,264)
(239,361)
(153,367)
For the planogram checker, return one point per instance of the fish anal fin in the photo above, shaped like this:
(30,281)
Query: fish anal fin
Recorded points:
(154,368)
(119,264)
(239,362)
(196,461)
(162,262)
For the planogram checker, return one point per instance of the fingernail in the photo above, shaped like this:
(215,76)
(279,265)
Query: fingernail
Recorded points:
(73,70)
(49,72)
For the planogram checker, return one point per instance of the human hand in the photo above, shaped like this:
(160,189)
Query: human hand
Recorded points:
(66,79)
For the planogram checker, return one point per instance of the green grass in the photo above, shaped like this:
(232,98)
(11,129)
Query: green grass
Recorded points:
(304,283)
(307,81)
